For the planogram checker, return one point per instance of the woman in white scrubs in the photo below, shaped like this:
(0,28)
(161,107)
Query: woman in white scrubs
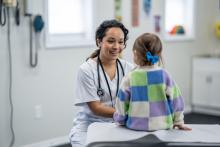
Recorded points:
(98,80)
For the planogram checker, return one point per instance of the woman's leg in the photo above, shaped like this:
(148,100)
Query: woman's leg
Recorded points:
(77,137)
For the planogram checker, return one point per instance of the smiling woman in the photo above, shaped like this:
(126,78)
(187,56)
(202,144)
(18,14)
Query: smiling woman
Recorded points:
(98,80)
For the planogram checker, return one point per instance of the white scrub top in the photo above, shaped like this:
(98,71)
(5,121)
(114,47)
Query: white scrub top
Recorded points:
(86,90)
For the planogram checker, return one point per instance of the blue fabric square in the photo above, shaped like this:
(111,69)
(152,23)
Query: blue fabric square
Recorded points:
(170,106)
(155,77)
(121,95)
(139,93)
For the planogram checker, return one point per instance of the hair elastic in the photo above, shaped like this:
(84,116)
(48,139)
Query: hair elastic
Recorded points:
(152,59)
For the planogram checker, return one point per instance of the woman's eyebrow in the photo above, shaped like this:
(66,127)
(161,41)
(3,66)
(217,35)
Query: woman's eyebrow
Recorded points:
(115,38)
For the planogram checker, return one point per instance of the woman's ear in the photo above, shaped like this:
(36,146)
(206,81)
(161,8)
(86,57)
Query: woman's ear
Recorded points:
(99,43)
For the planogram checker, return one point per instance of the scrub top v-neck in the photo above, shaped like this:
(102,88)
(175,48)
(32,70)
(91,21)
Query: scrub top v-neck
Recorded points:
(86,89)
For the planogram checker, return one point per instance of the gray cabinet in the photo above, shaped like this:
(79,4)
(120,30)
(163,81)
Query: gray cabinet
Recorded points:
(206,83)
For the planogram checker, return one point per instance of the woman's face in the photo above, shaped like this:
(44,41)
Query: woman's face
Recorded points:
(112,44)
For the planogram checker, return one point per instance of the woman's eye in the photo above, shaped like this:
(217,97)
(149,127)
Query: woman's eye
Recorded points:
(111,41)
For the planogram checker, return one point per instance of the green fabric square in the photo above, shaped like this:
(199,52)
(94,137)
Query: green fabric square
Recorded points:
(176,92)
(138,78)
(126,108)
(156,92)
(169,121)
(129,110)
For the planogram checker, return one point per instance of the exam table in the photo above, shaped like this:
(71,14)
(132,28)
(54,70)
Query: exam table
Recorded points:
(112,135)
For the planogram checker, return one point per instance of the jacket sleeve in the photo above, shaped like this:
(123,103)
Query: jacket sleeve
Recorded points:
(175,100)
(122,102)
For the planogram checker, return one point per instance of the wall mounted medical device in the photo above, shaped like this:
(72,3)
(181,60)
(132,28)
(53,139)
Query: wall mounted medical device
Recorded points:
(9,4)
(36,24)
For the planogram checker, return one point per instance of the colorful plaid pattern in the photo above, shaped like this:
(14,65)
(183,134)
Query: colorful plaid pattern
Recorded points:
(149,100)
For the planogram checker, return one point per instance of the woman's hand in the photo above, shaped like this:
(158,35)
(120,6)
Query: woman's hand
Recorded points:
(100,109)
(182,127)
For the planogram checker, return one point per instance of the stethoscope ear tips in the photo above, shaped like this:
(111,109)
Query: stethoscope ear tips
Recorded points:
(100,92)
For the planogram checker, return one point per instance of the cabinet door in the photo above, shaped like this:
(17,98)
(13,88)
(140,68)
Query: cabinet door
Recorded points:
(206,82)
(201,90)
(215,90)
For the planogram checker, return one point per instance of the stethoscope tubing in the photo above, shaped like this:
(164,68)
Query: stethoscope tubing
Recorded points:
(100,91)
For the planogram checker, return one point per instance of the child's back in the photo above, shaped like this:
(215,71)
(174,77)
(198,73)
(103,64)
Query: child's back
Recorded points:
(154,100)
(148,98)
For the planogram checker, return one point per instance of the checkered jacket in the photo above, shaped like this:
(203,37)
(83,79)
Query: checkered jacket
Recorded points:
(149,100)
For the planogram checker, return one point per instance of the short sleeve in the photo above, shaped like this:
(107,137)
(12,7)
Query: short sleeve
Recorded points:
(86,89)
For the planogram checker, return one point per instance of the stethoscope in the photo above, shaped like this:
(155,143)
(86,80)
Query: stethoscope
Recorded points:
(100,91)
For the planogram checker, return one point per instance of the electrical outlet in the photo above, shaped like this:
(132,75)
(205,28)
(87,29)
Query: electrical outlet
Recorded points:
(38,111)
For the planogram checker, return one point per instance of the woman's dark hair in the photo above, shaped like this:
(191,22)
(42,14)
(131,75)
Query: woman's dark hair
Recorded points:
(103,28)
(144,43)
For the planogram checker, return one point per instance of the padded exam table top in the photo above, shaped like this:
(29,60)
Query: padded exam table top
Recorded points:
(112,135)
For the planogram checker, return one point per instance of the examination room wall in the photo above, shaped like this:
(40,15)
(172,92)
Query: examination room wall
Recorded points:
(50,86)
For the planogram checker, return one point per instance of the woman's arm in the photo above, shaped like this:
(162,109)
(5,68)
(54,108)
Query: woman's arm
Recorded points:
(100,109)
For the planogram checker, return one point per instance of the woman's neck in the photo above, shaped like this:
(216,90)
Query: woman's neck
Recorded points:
(106,62)
(109,67)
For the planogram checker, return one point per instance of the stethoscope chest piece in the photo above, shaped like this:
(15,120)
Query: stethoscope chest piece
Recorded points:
(100,92)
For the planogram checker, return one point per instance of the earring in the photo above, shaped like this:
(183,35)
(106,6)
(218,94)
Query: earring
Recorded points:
(99,44)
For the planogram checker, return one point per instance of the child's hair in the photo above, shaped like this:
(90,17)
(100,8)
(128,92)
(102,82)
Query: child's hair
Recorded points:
(148,45)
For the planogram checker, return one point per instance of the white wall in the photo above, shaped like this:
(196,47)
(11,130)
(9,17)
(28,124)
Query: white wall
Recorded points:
(50,84)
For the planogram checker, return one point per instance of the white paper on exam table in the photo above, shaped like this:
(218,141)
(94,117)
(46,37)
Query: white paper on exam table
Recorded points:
(99,132)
